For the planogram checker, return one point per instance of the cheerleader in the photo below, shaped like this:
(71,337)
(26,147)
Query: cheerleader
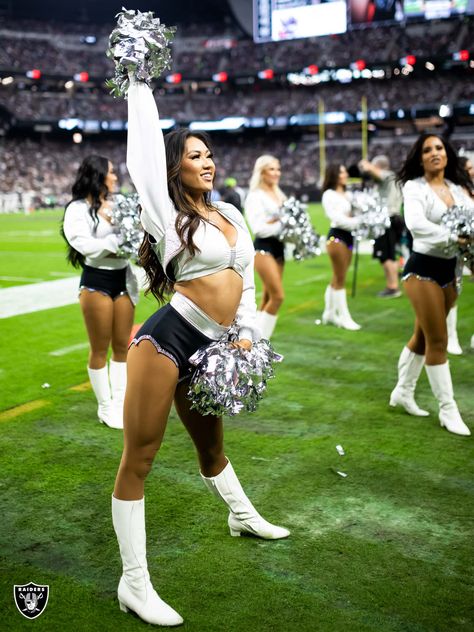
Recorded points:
(202,252)
(262,210)
(433,181)
(336,203)
(107,289)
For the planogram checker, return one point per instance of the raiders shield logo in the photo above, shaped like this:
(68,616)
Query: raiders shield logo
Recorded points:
(31,599)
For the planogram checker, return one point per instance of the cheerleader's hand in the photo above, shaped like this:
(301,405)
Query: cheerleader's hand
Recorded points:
(243,344)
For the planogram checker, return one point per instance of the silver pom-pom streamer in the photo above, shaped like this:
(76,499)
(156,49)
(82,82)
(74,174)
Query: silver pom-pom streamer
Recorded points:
(297,230)
(228,380)
(139,46)
(125,215)
(459,220)
(372,214)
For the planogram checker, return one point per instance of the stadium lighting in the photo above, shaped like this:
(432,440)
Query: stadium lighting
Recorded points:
(7,81)
(77,138)
(266,74)
(359,64)
(445,110)
(429,65)
(69,85)
(82,77)
(461,55)
(176,77)
(312,69)
(220,77)
(34,74)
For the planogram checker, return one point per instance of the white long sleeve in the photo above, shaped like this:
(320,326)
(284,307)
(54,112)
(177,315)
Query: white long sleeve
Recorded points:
(338,208)
(260,209)
(246,316)
(96,243)
(146,160)
(423,211)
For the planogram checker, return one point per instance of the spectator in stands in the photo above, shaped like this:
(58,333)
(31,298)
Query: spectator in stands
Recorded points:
(107,288)
(390,196)
(337,204)
(262,210)
(433,181)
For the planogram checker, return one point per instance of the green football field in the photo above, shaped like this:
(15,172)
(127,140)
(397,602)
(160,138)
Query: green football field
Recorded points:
(388,547)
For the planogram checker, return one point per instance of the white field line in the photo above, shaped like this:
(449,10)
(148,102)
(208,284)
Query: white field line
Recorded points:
(317,277)
(20,279)
(385,312)
(26,299)
(66,350)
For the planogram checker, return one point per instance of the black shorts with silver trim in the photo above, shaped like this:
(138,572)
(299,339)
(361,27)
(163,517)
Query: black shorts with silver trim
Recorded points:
(338,235)
(271,246)
(109,282)
(178,330)
(428,268)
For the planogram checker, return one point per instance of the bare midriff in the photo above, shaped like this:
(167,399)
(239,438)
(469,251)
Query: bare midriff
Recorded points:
(218,294)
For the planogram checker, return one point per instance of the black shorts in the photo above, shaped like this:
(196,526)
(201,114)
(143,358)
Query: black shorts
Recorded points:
(385,246)
(271,246)
(427,268)
(109,282)
(338,234)
(173,336)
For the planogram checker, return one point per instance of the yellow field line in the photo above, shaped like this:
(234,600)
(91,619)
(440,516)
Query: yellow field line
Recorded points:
(22,409)
(11,413)
(301,307)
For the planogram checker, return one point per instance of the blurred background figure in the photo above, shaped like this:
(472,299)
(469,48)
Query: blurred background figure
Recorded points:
(262,210)
(230,193)
(337,204)
(105,301)
(390,194)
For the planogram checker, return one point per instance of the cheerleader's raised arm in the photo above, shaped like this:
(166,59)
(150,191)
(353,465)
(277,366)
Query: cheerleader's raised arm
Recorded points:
(146,160)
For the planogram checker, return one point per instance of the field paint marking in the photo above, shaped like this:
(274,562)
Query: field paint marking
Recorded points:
(317,277)
(80,388)
(20,279)
(63,275)
(37,296)
(11,413)
(301,307)
(66,350)
(386,312)
(25,299)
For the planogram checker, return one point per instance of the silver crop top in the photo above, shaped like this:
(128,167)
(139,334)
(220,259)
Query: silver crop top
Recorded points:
(146,162)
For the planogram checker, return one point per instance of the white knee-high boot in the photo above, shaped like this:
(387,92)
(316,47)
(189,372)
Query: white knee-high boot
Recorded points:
(99,379)
(135,591)
(329,314)
(410,365)
(267,324)
(441,384)
(243,517)
(343,316)
(453,342)
(118,384)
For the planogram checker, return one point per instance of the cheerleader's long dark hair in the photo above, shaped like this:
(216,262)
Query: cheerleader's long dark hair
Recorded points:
(89,184)
(412,167)
(331,176)
(187,220)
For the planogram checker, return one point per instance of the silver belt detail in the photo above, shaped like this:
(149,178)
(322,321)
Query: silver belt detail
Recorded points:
(196,317)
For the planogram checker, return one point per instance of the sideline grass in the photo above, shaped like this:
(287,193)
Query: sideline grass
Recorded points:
(389,548)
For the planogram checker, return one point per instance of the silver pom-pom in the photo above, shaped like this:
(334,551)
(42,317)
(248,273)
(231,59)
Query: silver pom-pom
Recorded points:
(125,215)
(139,46)
(459,220)
(230,379)
(372,214)
(297,230)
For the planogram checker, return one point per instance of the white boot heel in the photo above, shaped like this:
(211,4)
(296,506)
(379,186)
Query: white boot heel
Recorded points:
(410,366)
(135,591)
(439,377)
(243,517)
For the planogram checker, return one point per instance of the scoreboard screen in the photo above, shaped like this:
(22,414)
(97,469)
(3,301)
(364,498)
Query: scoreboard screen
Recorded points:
(278,20)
